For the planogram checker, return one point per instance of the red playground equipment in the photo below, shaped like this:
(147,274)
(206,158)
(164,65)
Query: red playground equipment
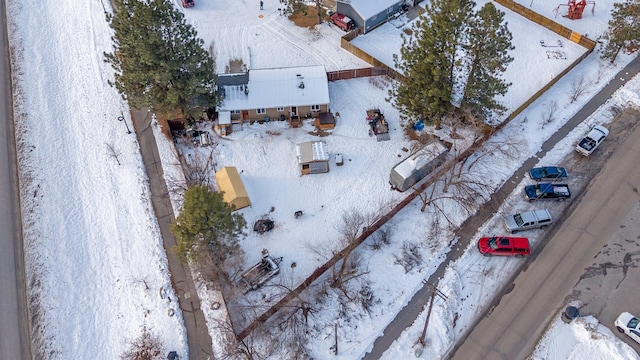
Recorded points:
(576,8)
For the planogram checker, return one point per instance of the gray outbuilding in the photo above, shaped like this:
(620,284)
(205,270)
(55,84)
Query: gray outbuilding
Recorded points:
(418,165)
(368,14)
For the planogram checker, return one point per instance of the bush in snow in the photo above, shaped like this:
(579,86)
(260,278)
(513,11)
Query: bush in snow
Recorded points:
(145,347)
(410,257)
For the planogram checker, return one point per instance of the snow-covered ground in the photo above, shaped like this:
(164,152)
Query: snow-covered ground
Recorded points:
(584,338)
(594,17)
(96,267)
(533,70)
(239,30)
(95,261)
(471,281)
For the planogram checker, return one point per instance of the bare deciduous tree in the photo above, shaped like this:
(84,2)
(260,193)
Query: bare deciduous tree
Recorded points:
(602,69)
(259,344)
(579,86)
(112,152)
(197,170)
(219,276)
(145,347)
(353,224)
(380,238)
(550,113)
(296,313)
(464,184)
(410,257)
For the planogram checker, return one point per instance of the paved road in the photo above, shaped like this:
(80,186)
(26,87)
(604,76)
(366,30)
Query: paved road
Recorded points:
(610,286)
(200,346)
(410,312)
(512,328)
(14,334)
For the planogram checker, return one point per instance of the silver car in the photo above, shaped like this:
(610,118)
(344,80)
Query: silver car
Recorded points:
(528,220)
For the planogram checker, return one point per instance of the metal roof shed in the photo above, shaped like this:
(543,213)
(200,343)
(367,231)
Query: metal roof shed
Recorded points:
(231,185)
(417,166)
(313,157)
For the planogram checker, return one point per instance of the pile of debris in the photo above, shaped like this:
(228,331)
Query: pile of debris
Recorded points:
(378,125)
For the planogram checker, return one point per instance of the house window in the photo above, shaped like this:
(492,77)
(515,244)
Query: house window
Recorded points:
(315,108)
(261,111)
(280,108)
(235,112)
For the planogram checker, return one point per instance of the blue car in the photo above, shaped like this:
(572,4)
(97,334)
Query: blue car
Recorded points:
(548,173)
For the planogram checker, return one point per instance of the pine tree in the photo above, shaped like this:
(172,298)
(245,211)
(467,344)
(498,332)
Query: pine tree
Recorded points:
(158,59)
(487,57)
(623,33)
(428,60)
(206,224)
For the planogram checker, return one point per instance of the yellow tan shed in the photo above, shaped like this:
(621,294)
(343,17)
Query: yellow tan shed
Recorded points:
(231,185)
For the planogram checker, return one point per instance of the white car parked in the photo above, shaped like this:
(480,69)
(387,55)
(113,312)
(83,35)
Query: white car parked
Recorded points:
(630,325)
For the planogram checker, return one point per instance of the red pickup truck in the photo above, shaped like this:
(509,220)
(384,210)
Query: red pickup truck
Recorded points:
(342,21)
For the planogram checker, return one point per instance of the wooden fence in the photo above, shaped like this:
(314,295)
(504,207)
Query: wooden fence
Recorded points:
(379,68)
(357,73)
(558,29)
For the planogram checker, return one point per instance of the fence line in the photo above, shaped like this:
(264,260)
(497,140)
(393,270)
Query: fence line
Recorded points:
(558,29)
(380,68)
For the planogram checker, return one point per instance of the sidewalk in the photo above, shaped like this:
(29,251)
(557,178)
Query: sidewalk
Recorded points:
(198,338)
(410,312)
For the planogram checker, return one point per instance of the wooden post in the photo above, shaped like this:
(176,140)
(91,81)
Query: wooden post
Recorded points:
(335,349)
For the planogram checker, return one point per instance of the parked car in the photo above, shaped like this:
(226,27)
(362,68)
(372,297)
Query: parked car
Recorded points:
(188,3)
(504,246)
(630,325)
(528,220)
(342,21)
(594,138)
(558,192)
(547,173)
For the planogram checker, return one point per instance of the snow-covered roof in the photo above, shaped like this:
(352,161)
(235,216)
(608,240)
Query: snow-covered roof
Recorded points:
(419,159)
(224,117)
(369,8)
(311,151)
(278,87)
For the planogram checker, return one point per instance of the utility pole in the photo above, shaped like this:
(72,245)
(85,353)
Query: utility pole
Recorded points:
(434,292)
(426,322)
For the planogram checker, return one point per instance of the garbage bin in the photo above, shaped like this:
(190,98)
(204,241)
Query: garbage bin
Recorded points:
(570,313)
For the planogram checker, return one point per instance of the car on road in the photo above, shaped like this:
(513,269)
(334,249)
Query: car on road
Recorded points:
(630,325)
(559,192)
(528,220)
(547,173)
(504,246)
